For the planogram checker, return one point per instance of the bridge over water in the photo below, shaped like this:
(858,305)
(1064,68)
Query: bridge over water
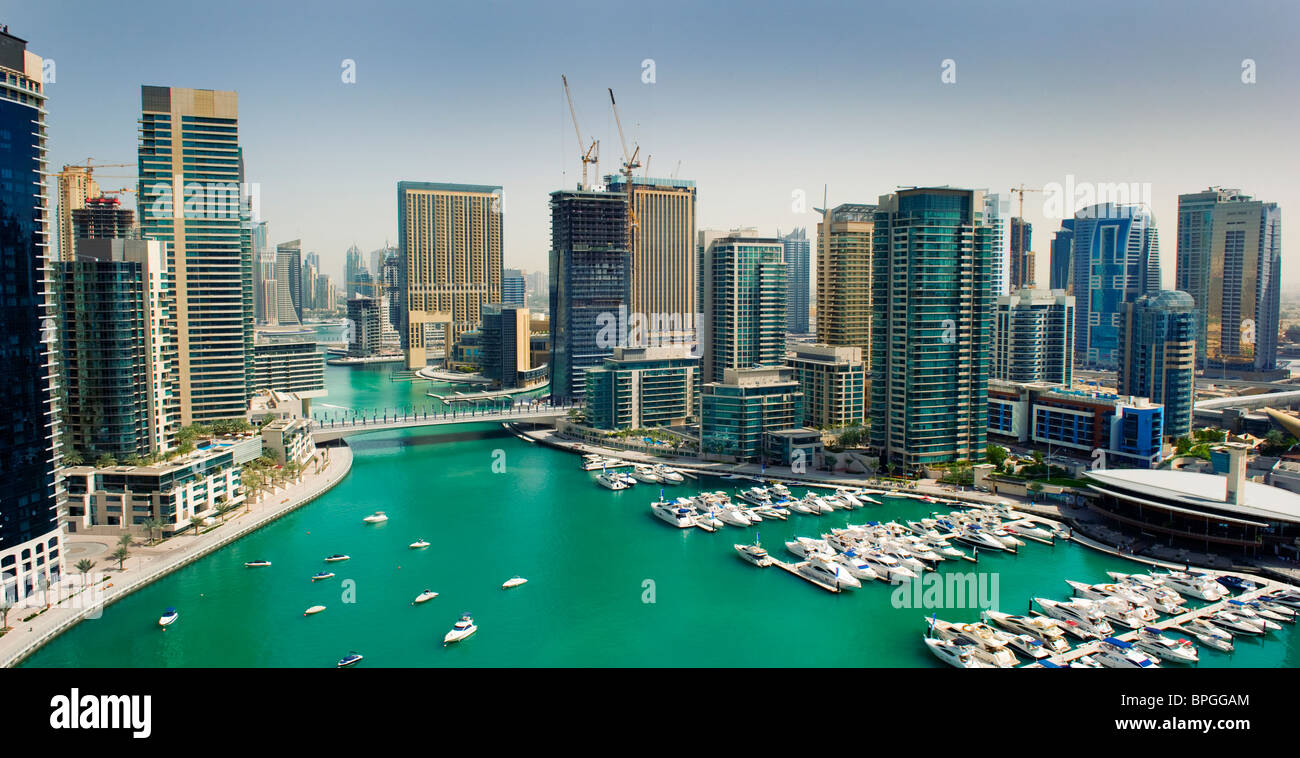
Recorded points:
(330,427)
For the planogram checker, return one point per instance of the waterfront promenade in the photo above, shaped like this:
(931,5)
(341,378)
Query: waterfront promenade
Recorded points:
(70,602)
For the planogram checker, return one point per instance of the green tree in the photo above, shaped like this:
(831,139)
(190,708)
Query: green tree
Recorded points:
(153,524)
(73,458)
(125,540)
(120,555)
(197,523)
(84,566)
(5,607)
(104,461)
(1034,489)
(996,455)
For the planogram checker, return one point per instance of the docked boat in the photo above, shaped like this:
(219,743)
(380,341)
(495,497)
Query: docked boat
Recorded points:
(1114,653)
(755,553)
(826,572)
(1263,610)
(800,506)
(959,654)
(312,611)
(887,566)
(1197,585)
(462,630)
(645,474)
(625,478)
(1081,620)
(806,547)
(816,504)
(336,558)
(730,514)
(1085,662)
(424,597)
(1162,599)
(1238,608)
(514,581)
(419,545)
(709,518)
(855,565)
(679,516)
(849,497)
(986,643)
(755,496)
(168,617)
(1236,583)
(1284,596)
(668,475)
(1287,613)
(976,537)
(378,517)
(1234,623)
(1028,646)
(1150,640)
(1105,591)
(1041,628)
(322,575)
(611,480)
(1208,634)
(1123,613)
(351,659)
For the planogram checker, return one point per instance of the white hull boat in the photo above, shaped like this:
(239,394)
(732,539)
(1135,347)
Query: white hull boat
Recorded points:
(424,597)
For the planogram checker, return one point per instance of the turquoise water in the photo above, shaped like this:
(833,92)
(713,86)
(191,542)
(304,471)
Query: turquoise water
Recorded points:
(593,559)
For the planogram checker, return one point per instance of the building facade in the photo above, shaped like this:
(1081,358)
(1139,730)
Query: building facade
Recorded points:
(834,381)
(661,237)
(1128,430)
(365,336)
(1158,359)
(737,413)
(844,290)
(1021,272)
(513,291)
(641,387)
(102,218)
(933,281)
(76,184)
(1033,337)
(505,354)
(1061,273)
(289,363)
(798,269)
(744,304)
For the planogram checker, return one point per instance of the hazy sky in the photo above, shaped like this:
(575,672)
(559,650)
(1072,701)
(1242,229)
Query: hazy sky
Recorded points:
(757,100)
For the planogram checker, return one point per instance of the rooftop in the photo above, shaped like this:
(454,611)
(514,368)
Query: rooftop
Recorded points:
(1199,491)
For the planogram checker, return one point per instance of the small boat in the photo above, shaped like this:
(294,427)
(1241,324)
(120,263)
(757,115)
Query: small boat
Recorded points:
(419,544)
(514,582)
(611,480)
(1235,623)
(424,597)
(336,558)
(1208,634)
(1262,610)
(668,475)
(755,553)
(313,610)
(646,474)
(462,630)
(169,617)
(377,517)
(679,516)
(1241,610)
(256,564)
(322,575)
(350,659)
(1236,583)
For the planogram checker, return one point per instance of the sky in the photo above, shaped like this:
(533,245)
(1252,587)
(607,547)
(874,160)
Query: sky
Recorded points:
(765,105)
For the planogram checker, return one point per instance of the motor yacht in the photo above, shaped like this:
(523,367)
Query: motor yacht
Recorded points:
(1027,528)
(168,617)
(668,475)
(424,597)
(1197,585)
(1150,640)
(679,516)
(1085,662)
(1265,610)
(802,506)
(826,572)
(730,514)
(337,557)
(1238,608)
(378,517)
(849,497)
(350,659)
(973,535)
(257,564)
(755,553)
(755,496)
(780,490)
(1125,614)
(611,480)
(806,547)
(1162,599)
(818,504)
(1208,634)
(645,474)
(709,518)
(903,556)
(625,478)
(419,545)
(1236,583)
(462,630)
(886,566)
(1286,612)
(959,654)
(1028,646)
(322,575)
(1041,628)
(1105,591)
(312,611)
(1284,596)
(514,581)
(855,565)
(1081,620)
(1234,623)
(984,645)
(1114,653)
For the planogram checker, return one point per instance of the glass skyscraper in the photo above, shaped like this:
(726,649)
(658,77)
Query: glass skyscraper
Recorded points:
(744,304)
(933,269)
(1061,271)
(1158,357)
(798,254)
(844,307)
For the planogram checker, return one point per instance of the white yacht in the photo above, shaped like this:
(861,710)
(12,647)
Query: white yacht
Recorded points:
(1238,608)
(678,516)
(817,504)
(1287,596)
(855,565)
(1115,653)
(959,654)
(1208,634)
(755,553)
(801,506)
(336,558)
(318,576)
(668,475)
(755,496)
(625,478)
(886,566)
(1120,612)
(514,581)
(1041,628)
(1103,591)
(826,572)
(806,547)
(1029,529)
(1081,620)
(709,518)
(1162,599)
(1196,585)
(645,474)
(611,480)
(1261,610)
(974,535)
(378,517)
(730,514)
(257,564)
(424,597)
(988,644)
(1235,623)
(848,496)
(1028,646)
(1150,640)
(1286,612)
(312,611)
(169,617)
(462,630)
(419,545)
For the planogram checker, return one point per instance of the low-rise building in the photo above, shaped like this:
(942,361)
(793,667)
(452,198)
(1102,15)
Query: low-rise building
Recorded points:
(289,439)
(736,413)
(1127,429)
(289,362)
(834,383)
(642,387)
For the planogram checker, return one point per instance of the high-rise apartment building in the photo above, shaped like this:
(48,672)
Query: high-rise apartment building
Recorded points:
(31,555)
(661,224)
(76,184)
(1229,260)
(1061,264)
(833,380)
(1033,337)
(288,271)
(744,304)
(739,413)
(263,274)
(364,330)
(1116,256)
(1158,355)
(640,387)
(102,218)
(191,196)
(844,289)
(590,282)
(798,261)
(352,268)
(1021,274)
(449,237)
(512,287)
(933,282)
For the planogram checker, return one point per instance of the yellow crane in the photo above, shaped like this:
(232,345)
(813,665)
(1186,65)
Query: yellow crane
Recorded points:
(630,163)
(592,154)
(1021,190)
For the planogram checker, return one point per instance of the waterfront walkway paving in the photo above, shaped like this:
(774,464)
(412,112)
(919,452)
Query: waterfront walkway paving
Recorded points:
(69,604)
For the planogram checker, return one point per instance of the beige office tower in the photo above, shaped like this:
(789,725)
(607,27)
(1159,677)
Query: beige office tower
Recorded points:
(844,303)
(449,238)
(76,185)
(664,256)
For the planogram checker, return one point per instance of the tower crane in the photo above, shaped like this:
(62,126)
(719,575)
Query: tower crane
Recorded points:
(1021,190)
(592,154)
(630,163)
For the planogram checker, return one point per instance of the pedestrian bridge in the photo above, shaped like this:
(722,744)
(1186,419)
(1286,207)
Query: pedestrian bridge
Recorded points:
(335,427)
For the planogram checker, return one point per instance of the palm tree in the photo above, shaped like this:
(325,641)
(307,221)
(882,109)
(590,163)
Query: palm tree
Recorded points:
(120,555)
(197,523)
(125,540)
(84,566)
(5,607)
(151,524)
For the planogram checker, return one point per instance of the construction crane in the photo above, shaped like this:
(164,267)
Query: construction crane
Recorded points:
(1021,190)
(630,162)
(675,170)
(592,154)
(646,173)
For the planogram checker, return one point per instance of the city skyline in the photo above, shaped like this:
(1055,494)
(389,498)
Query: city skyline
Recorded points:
(748,173)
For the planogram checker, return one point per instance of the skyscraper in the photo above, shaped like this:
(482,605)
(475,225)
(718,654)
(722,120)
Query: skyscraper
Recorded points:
(662,235)
(1021,254)
(844,290)
(1061,274)
(190,193)
(288,271)
(30,536)
(744,305)
(1158,355)
(1229,260)
(798,254)
(263,274)
(590,285)
(449,237)
(932,277)
(1116,260)
(76,184)
(1033,338)
(352,267)
(512,287)
(102,218)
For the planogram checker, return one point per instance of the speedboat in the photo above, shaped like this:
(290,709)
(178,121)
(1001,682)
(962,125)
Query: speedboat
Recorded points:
(973,535)
(257,564)
(755,553)
(169,617)
(377,517)
(336,558)
(668,475)
(322,575)
(679,516)
(801,506)
(1114,653)
(1196,585)
(855,565)
(1287,613)
(1103,591)
(611,480)
(1235,623)
(350,659)
(957,653)
(826,572)
(1041,628)
(1162,599)
(514,581)
(424,597)
(1208,634)
(312,611)
(1236,583)
(709,518)
(848,496)
(645,474)
(816,504)
(887,566)
(1083,621)
(625,478)
(1028,529)
(462,630)
(1150,640)
(419,544)
(1028,646)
